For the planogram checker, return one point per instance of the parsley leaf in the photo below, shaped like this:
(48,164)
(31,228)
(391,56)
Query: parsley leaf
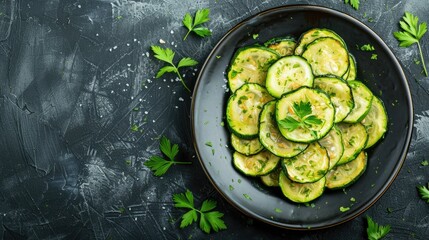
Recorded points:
(208,219)
(201,16)
(424,193)
(375,231)
(412,33)
(353,3)
(167,55)
(367,47)
(304,118)
(160,165)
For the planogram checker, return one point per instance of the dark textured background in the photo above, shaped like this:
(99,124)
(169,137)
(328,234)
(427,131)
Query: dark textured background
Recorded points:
(76,75)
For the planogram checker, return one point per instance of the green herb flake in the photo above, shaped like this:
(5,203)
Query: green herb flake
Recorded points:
(344,209)
(352,199)
(135,128)
(367,48)
(255,36)
(278,210)
(231,188)
(389,210)
(425,163)
(245,195)
(210,144)
(374,56)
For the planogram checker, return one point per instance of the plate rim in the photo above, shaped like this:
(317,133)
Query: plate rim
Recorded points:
(398,65)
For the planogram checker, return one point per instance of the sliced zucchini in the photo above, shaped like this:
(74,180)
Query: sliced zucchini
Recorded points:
(246,146)
(346,174)
(309,166)
(270,136)
(287,74)
(243,109)
(327,56)
(333,143)
(301,192)
(313,34)
(340,94)
(375,122)
(283,46)
(255,165)
(272,178)
(354,140)
(250,65)
(362,98)
(304,115)
(352,71)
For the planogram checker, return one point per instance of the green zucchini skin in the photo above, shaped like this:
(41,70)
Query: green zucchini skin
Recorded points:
(375,122)
(362,98)
(272,139)
(243,109)
(301,192)
(250,65)
(256,165)
(327,56)
(344,175)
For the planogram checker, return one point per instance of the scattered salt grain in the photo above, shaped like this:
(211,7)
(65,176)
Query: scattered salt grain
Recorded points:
(161,41)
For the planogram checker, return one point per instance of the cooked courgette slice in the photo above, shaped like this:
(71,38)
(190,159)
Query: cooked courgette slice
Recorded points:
(283,46)
(375,122)
(313,34)
(272,178)
(354,140)
(352,71)
(346,174)
(333,143)
(250,65)
(270,136)
(304,115)
(246,146)
(327,56)
(340,94)
(255,165)
(309,166)
(243,109)
(362,98)
(287,74)
(301,192)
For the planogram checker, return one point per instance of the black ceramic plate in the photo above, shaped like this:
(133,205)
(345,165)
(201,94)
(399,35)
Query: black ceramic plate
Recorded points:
(383,76)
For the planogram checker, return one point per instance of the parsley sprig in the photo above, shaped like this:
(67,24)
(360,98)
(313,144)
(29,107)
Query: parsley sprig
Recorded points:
(353,3)
(201,16)
(424,193)
(412,33)
(160,165)
(208,219)
(167,55)
(305,117)
(375,231)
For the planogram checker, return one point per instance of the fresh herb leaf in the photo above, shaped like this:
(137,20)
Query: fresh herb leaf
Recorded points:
(255,36)
(425,163)
(424,193)
(375,231)
(412,33)
(367,47)
(353,3)
(208,219)
(167,55)
(201,16)
(374,56)
(344,209)
(160,165)
(304,117)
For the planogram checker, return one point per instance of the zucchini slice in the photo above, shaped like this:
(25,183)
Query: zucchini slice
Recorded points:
(346,174)
(304,115)
(250,65)
(309,166)
(327,56)
(333,143)
(340,94)
(270,136)
(354,140)
(255,165)
(375,122)
(301,192)
(272,178)
(287,74)
(283,46)
(352,71)
(314,34)
(362,98)
(246,146)
(243,109)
